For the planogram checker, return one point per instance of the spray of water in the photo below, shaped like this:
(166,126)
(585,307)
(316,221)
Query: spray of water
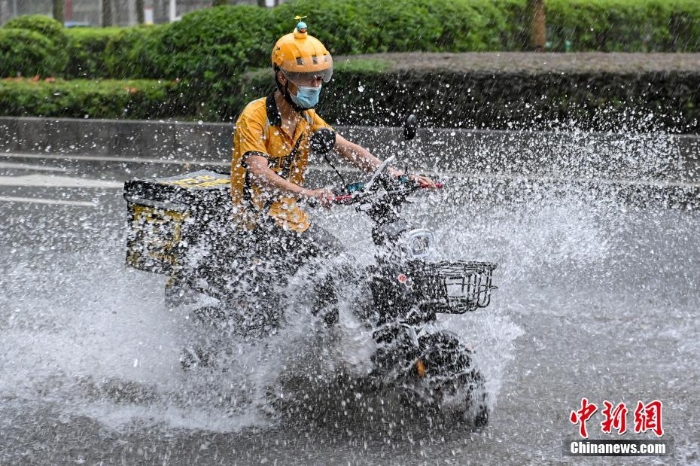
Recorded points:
(97,339)
(83,335)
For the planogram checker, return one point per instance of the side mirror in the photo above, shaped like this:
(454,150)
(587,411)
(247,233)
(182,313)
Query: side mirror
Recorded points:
(410,126)
(323,141)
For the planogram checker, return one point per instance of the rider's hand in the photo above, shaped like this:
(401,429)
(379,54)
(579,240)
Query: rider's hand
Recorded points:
(322,195)
(423,181)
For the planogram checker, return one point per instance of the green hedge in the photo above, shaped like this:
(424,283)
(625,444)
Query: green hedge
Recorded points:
(93,52)
(120,53)
(210,50)
(87,52)
(624,25)
(132,99)
(215,44)
(28,53)
(371,26)
(44,25)
(132,53)
(372,93)
(238,38)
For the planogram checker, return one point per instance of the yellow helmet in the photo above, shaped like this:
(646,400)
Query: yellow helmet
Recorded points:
(302,56)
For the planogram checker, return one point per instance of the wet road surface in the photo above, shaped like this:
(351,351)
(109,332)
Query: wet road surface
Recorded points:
(597,299)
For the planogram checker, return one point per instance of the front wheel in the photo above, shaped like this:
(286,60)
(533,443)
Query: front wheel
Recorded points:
(463,398)
(458,386)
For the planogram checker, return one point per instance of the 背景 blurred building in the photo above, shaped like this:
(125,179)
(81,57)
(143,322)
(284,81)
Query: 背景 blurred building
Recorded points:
(89,12)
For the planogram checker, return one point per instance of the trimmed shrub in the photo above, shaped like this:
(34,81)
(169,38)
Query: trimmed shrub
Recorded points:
(132,99)
(55,49)
(44,25)
(516,35)
(470,25)
(241,37)
(624,25)
(86,52)
(121,53)
(370,26)
(28,53)
(235,39)
(684,27)
(136,53)
(362,26)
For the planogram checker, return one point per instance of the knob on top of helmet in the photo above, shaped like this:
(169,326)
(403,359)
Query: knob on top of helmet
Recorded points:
(300,30)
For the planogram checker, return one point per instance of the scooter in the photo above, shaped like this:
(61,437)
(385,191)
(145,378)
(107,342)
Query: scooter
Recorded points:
(413,357)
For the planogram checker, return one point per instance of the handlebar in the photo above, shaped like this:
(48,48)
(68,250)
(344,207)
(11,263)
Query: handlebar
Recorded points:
(355,192)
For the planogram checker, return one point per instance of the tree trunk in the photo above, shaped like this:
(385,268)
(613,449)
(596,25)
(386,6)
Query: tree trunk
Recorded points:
(140,15)
(538,25)
(262,3)
(220,2)
(59,10)
(106,13)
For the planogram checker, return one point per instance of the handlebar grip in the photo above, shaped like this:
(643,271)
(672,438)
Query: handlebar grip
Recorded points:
(407,179)
(343,199)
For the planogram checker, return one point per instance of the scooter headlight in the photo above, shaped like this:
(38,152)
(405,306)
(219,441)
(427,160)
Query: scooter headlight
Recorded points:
(420,243)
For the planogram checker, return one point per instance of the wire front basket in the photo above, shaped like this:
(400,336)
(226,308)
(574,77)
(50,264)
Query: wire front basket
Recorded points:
(454,287)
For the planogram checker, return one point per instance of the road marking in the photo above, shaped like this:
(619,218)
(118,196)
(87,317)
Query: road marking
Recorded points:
(107,158)
(26,166)
(322,168)
(58,182)
(33,200)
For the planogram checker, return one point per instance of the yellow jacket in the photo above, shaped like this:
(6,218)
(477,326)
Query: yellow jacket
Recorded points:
(259,132)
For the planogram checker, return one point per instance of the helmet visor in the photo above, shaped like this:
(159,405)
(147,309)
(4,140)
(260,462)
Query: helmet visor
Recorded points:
(309,78)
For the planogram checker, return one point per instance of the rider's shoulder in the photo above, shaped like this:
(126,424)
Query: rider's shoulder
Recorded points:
(315,120)
(254,110)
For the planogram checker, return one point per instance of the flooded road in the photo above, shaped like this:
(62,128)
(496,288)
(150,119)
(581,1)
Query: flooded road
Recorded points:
(597,299)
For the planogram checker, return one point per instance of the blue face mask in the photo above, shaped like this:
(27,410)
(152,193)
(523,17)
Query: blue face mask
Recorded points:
(307,97)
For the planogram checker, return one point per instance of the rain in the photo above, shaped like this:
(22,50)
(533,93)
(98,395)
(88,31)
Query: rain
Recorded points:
(143,320)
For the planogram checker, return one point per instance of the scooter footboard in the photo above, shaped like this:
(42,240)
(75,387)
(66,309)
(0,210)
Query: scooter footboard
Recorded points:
(453,287)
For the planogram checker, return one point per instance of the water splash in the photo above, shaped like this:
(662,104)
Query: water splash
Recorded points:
(97,340)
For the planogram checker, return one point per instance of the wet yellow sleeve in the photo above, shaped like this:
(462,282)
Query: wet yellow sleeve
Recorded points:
(250,136)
